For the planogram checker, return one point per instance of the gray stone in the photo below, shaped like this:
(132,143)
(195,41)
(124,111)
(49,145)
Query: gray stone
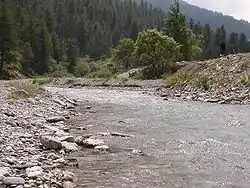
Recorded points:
(13,181)
(68,176)
(102,148)
(69,146)
(4,171)
(56,130)
(68,184)
(55,119)
(50,142)
(60,102)
(67,138)
(120,134)
(34,171)
(91,142)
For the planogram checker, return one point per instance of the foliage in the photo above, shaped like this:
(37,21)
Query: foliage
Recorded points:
(175,26)
(24,90)
(245,81)
(82,68)
(123,52)
(184,78)
(102,73)
(42,81)
(156,51)
(66,30)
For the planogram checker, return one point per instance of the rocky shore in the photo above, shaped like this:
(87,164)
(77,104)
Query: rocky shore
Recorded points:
(34,142)
(222,95)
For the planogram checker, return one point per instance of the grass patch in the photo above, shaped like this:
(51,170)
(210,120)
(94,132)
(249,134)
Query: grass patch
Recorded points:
(24,90)
(181,79)
(178,79)
(245,81)
(41,81)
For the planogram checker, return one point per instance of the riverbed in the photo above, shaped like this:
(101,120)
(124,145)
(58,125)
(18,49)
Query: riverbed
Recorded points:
(170,144)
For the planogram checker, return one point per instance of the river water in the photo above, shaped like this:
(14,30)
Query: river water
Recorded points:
(182,144)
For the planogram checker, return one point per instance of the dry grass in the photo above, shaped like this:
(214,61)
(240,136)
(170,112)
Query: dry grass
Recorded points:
(24,89)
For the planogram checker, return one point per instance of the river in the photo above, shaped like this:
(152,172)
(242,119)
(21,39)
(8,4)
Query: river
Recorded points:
(182,144)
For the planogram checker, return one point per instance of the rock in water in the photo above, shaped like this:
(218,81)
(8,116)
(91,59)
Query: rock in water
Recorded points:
(69,146)
(91,142)
(34,171)
(13,181)
(50,142)
(55,119)
(102,148)
(67,138)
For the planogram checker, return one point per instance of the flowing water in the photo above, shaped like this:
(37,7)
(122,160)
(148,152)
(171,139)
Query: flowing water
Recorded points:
(182,144)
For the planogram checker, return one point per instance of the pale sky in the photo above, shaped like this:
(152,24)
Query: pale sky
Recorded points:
(238,9)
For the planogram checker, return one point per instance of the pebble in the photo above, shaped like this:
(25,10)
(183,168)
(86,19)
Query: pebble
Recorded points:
(34,171)
(13,181)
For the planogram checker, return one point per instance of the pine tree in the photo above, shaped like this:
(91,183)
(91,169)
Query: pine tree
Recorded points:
(7,36)
(233,43)
(207,42)
(45,50)
(134,30)
(72,53)
(243,43)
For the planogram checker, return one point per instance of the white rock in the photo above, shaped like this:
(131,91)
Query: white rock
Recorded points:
(103,147)
(4,171)
(69,146)
(91,142)
(68,184)
(67,138)
(58,101)
(34,171)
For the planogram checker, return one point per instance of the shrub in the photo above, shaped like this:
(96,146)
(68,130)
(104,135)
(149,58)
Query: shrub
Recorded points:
(24,90)
(156,51)
(245,81)
(179,79)
(102,73)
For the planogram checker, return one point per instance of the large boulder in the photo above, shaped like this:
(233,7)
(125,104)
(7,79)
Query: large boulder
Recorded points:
(50,142)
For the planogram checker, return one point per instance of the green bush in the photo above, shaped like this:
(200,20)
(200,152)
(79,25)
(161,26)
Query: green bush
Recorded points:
(58,70)
(156,51)
(178,79)
(245,81)
(42,81)
(102,73)
(82,67)
(183,78)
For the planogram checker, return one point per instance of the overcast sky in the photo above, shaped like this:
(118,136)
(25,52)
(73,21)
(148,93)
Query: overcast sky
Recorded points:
(238,9)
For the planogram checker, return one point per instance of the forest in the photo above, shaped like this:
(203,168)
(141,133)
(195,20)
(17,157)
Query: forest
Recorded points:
(82,37)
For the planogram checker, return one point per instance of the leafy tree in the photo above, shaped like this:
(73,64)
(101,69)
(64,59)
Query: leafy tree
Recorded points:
(123,52)
(156,51)
(175,26)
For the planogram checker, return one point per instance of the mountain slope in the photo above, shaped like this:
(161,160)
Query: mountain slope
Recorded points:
(215,19)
